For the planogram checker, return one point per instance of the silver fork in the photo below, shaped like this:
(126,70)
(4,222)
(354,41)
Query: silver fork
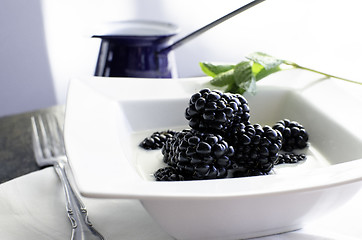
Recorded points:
(49,150)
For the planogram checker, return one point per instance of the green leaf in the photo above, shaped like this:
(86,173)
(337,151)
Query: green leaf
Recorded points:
(224,79)
(260,72)
(267,61)
(264,65)
(244,77)
(252,87)
(212,70)
(256,68)
(233,88)
(243,72)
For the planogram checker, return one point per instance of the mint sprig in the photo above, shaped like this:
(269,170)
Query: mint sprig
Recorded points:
(242,77)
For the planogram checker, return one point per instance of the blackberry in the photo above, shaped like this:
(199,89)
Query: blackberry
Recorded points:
(198,155)
(216,111)
(294,135)
(168,174)
(290,158)
(256,150)
(171,145)
(157,139)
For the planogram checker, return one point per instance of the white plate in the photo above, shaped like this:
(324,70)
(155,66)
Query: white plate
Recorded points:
(106,118)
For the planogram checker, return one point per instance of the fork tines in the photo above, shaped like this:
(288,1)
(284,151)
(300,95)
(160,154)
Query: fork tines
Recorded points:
(47,137)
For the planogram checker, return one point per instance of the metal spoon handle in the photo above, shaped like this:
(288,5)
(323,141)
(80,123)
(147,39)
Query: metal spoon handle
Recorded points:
(209,26)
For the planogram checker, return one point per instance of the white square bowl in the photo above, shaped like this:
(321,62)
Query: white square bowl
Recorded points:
(106,119)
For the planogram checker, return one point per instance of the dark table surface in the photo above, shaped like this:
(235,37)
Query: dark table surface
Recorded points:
(16,153)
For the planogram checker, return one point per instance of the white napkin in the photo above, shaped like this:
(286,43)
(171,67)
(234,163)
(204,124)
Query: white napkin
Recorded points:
(32,208)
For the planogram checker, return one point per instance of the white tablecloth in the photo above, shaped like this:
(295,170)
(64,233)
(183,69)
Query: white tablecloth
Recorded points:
(32,208)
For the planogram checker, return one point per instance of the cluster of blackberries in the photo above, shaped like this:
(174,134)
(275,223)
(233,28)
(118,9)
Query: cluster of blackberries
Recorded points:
(256,149)
(198,155)
(157,139)
(222,142)
(168,174)
(217,111)
(294,135)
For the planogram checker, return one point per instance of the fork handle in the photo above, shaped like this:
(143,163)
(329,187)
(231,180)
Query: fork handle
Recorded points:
(82,228)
